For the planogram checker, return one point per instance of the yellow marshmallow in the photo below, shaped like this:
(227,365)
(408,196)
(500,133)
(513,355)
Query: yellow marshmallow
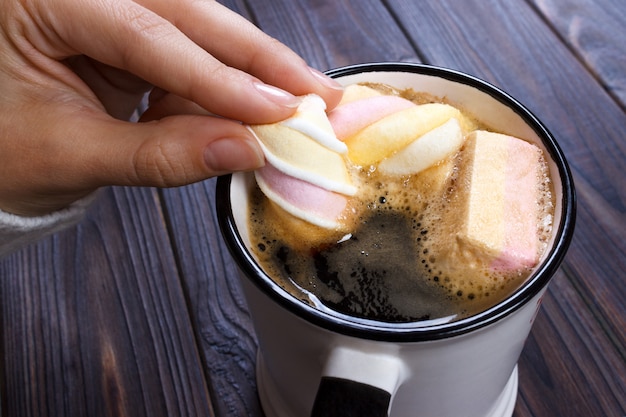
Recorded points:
(384,137)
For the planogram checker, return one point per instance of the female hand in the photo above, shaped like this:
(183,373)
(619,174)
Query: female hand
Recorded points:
(74,70)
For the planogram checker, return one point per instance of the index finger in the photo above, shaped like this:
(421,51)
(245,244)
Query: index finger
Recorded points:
(226,34)
(126,35)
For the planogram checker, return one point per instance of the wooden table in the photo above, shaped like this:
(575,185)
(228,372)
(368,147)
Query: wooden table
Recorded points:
(137,311)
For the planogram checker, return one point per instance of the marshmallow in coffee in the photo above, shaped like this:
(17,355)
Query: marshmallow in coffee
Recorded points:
(306,173)
(376,126)
(478,198)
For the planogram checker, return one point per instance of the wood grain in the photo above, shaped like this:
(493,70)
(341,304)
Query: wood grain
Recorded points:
(593,29)
(94,320)
(330,34)
(218,310)
(561,377)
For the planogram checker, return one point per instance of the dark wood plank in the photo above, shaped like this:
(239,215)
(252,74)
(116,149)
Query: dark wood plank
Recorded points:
(223,329)
(94,320)
(330,34)
(566,369)
(594,30)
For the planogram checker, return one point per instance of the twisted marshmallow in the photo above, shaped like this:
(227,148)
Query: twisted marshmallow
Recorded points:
(306,173)
(406,137)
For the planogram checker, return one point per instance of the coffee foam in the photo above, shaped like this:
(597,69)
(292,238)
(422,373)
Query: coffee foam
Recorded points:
(406,252)
(396,264)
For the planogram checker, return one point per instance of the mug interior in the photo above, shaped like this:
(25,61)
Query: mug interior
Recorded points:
(490,105)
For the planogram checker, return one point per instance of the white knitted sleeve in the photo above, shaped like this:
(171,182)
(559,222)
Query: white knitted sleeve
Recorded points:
(17,231)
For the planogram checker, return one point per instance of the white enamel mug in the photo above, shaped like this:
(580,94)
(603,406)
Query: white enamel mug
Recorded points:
(320,363)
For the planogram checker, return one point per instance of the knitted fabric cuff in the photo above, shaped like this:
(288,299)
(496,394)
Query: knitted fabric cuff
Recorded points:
(17,231)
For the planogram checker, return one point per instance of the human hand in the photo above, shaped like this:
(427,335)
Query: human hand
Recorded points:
(73,70)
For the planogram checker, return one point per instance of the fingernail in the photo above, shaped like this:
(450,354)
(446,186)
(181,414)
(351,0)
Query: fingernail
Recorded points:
(233,154)
(326,80)
(277,95)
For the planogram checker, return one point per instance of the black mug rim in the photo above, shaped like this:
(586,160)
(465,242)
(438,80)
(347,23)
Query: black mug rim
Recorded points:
(413,331)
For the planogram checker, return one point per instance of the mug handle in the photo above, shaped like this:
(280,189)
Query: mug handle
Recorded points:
(355,383)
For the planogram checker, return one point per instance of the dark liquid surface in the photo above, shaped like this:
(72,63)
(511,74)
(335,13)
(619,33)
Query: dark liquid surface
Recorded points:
(371,274)
(380,272)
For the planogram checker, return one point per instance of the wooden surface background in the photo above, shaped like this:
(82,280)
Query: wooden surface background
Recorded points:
(137,310)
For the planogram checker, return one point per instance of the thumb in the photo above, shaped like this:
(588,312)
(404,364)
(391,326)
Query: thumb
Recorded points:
(174,151)
(62,157)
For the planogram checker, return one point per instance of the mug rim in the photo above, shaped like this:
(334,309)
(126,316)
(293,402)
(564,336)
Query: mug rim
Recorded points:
(413,331)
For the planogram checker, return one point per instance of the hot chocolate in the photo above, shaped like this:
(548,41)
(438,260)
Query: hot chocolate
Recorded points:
(443,224)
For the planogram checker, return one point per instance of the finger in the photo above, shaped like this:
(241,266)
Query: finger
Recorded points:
(126,35)
(174,151)
(77,151)
(67,152)
(163,104)
(227,34)
(119,92)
